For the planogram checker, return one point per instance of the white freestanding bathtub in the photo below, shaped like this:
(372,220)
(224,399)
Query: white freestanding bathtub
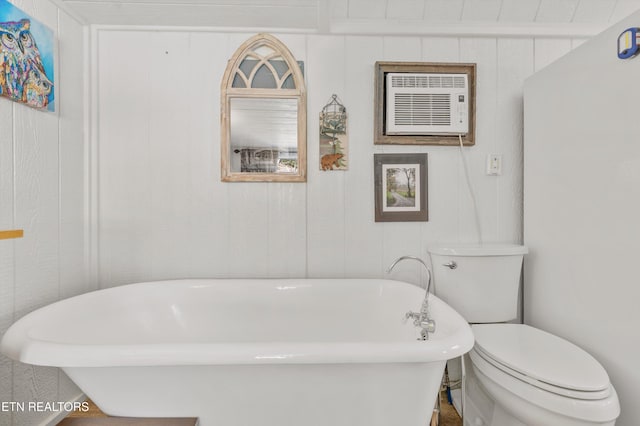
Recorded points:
(296,352)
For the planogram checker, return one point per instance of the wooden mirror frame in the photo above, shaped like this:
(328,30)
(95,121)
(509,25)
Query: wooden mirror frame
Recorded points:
(247,49)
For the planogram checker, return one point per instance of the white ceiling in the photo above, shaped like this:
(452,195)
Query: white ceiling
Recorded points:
(294,14)
(316,15)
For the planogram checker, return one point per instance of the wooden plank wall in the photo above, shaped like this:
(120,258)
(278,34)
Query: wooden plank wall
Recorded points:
(42,191)
(163,212)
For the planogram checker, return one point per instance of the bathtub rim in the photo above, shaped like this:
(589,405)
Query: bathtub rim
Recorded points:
(18,345)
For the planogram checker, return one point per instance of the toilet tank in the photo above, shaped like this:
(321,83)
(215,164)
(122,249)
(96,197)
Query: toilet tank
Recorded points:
(483,285)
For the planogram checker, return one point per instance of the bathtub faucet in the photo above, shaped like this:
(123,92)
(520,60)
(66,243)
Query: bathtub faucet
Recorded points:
(420,319)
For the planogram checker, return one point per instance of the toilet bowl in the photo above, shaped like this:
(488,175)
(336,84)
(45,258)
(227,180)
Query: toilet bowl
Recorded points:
(536,378)
(517,375)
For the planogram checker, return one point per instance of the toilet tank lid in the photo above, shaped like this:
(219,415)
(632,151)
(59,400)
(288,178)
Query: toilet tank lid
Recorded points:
(479,250)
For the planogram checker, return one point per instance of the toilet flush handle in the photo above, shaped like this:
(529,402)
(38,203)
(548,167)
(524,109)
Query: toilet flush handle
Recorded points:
(451,265)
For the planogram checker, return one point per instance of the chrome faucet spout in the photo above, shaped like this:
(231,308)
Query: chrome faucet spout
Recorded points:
(417,259)
(421,319)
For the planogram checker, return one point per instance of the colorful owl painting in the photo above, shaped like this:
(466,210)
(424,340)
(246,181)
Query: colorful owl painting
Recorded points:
(12,59)
(25,75)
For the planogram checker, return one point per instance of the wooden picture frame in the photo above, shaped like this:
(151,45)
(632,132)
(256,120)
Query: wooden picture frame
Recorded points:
(382,68)
(400,188)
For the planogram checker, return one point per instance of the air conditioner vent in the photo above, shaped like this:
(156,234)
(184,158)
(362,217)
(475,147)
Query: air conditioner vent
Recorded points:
(425,80)
(422,109)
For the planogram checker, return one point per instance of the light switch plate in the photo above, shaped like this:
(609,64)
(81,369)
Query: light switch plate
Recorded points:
(494,164)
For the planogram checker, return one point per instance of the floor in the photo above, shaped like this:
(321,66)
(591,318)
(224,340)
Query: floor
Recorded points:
(448,415)
(93,411)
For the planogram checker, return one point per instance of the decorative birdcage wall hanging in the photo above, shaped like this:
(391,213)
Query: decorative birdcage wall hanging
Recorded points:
(333,136)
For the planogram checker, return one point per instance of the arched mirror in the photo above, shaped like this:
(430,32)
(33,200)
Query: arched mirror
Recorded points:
(263,114)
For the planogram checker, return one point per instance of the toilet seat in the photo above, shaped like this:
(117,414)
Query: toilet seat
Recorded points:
(542,360)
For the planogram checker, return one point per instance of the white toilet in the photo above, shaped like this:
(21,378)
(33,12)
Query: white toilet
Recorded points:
(516,374)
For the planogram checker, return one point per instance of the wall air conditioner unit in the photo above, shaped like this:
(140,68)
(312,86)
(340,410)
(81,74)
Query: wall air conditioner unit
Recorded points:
(427,104)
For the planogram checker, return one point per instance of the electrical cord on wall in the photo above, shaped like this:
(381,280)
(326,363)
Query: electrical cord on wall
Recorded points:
(471,193)
(479,232)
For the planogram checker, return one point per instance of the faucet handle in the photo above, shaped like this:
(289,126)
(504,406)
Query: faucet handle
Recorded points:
(422,320)
(415,316)
(428,325)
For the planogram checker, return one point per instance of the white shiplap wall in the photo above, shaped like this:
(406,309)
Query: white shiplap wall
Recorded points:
(163,212)
(42,191)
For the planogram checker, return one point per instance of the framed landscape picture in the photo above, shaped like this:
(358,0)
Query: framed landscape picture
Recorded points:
(400,187)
